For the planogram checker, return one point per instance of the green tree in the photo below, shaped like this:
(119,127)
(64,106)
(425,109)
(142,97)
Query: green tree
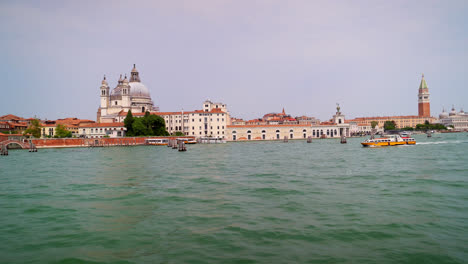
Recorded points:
(179,134)
(62,132)
(34,128)
(128,123)
(389,125)
(157,125)
(374,124)
(407,129)
(138,128)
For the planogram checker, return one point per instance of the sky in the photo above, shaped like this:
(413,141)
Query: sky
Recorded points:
(257,56)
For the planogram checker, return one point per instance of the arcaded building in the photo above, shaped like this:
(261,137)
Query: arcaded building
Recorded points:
(129,94)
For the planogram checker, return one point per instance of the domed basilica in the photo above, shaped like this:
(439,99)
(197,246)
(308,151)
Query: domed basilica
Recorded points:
(127,95)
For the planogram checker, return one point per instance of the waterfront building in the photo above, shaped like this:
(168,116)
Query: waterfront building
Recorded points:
(72,124)
(100,130)
(210,121)
(129,94)
(356,128)
(400,121)
(12,123)
(334,128)
(459,120)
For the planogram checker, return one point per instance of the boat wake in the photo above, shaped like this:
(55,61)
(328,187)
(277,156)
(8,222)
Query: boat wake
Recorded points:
(441,142)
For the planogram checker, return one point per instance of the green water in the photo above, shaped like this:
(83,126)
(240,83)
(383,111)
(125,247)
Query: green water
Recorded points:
(252,202)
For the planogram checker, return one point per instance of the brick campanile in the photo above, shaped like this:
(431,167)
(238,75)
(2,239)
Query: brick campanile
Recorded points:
(424,104)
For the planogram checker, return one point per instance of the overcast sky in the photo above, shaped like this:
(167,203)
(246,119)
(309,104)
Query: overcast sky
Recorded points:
(255,56)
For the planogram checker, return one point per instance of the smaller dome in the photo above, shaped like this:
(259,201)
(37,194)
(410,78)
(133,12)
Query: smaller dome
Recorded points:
(443,114)
(462,112)
(104,82)
(125,79)
(453,112)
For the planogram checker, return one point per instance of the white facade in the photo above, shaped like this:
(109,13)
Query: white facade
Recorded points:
(212,121)
(334,129)
(100,130)
(459,120)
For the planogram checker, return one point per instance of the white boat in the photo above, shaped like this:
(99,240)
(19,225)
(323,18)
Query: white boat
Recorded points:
(157,141)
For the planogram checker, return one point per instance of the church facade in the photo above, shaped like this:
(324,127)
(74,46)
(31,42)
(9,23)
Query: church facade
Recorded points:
(129,94)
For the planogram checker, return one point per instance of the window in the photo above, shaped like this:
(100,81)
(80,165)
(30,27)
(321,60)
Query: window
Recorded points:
(115,102)
(263,136)
(193,120)
(234,137)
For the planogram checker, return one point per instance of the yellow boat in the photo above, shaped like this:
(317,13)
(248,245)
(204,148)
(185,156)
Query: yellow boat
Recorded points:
(389,140)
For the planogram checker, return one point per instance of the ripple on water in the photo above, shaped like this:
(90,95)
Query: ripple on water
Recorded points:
(252,202)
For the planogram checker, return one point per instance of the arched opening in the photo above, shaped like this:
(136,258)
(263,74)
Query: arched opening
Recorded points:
(14,145)
(249,136)
(142,109)
(277,134)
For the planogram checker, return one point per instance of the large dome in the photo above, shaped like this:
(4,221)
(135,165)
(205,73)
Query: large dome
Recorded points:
(137,89)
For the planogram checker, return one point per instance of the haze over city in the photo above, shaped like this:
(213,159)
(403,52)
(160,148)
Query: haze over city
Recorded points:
(255,56)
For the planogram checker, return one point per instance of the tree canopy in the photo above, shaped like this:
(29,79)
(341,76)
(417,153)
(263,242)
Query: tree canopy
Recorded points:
(128,123)
(34,128)
(389,125)
(374,124)
(149,125)
(62,132)
(428,126)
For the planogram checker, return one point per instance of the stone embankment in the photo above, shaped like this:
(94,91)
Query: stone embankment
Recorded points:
(92,142)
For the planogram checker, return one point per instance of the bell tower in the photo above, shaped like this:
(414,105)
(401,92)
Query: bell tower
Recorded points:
(104,96)
(424,104)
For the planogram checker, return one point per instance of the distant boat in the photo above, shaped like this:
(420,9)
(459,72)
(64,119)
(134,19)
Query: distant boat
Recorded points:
(157,141)
(389,140)
(188,140)
(405,134)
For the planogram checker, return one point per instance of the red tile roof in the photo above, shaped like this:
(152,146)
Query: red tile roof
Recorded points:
(10,117)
